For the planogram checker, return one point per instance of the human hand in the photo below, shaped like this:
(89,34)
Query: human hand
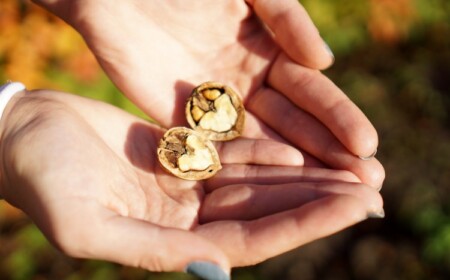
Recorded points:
(86,173)
(157,51)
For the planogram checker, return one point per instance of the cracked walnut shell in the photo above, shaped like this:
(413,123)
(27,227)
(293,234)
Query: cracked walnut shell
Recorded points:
(216,111)
(188,155)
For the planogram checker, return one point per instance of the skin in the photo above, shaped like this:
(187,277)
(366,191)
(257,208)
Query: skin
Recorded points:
(156,52)
(95,191)
(68,167)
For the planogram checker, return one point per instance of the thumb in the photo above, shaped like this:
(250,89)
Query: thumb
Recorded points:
(138,243)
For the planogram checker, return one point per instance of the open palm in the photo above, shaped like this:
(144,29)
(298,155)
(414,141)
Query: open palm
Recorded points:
(157,51)
(87,174)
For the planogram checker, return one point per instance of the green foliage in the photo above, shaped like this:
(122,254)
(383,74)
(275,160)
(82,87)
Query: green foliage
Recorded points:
(341,23)
(101,89)
(31,243)
(402,83)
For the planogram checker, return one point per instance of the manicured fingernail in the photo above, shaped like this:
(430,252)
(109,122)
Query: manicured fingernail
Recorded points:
(207,271)
(330,52)
(376,215)
(379,188)
(369,157)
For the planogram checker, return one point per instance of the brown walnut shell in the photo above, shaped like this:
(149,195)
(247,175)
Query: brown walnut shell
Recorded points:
(216,111)
(187,154)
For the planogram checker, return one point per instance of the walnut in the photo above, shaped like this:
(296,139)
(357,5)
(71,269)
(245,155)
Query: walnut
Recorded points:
(215,111)
(188,155)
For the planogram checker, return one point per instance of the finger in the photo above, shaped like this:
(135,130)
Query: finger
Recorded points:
(256,129)
(317,95)
(232,174)
(258,151)
(251,242)
(294,31)
(307,133)
(96,232)
(310,161)
(251,201)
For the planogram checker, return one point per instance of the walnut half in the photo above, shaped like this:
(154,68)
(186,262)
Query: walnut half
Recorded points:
(215,111)
(188,155)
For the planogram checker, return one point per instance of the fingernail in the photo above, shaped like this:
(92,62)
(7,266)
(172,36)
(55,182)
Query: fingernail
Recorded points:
(369,157)
(376,215)
(379,188)
(330,52)
(206,271)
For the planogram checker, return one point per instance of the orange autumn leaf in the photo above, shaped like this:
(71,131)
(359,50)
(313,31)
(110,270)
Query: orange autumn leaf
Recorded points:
(390,20)
(83,66)
(34,41)
(9,213)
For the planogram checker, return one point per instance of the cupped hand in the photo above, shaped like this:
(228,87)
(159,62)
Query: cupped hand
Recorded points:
(157,51)
(87,174)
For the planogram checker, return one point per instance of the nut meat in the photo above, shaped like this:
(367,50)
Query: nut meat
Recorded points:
(215,111)
(188,155)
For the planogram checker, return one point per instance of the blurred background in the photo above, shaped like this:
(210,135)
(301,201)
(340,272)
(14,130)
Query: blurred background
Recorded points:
(392,59)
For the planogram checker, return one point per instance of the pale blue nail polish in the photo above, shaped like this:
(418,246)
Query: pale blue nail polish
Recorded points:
(206,271)
(329,51)
(369,157)
(376,215)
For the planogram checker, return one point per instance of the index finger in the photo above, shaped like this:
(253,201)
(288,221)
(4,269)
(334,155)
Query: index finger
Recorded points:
(127,240)
(250,242)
